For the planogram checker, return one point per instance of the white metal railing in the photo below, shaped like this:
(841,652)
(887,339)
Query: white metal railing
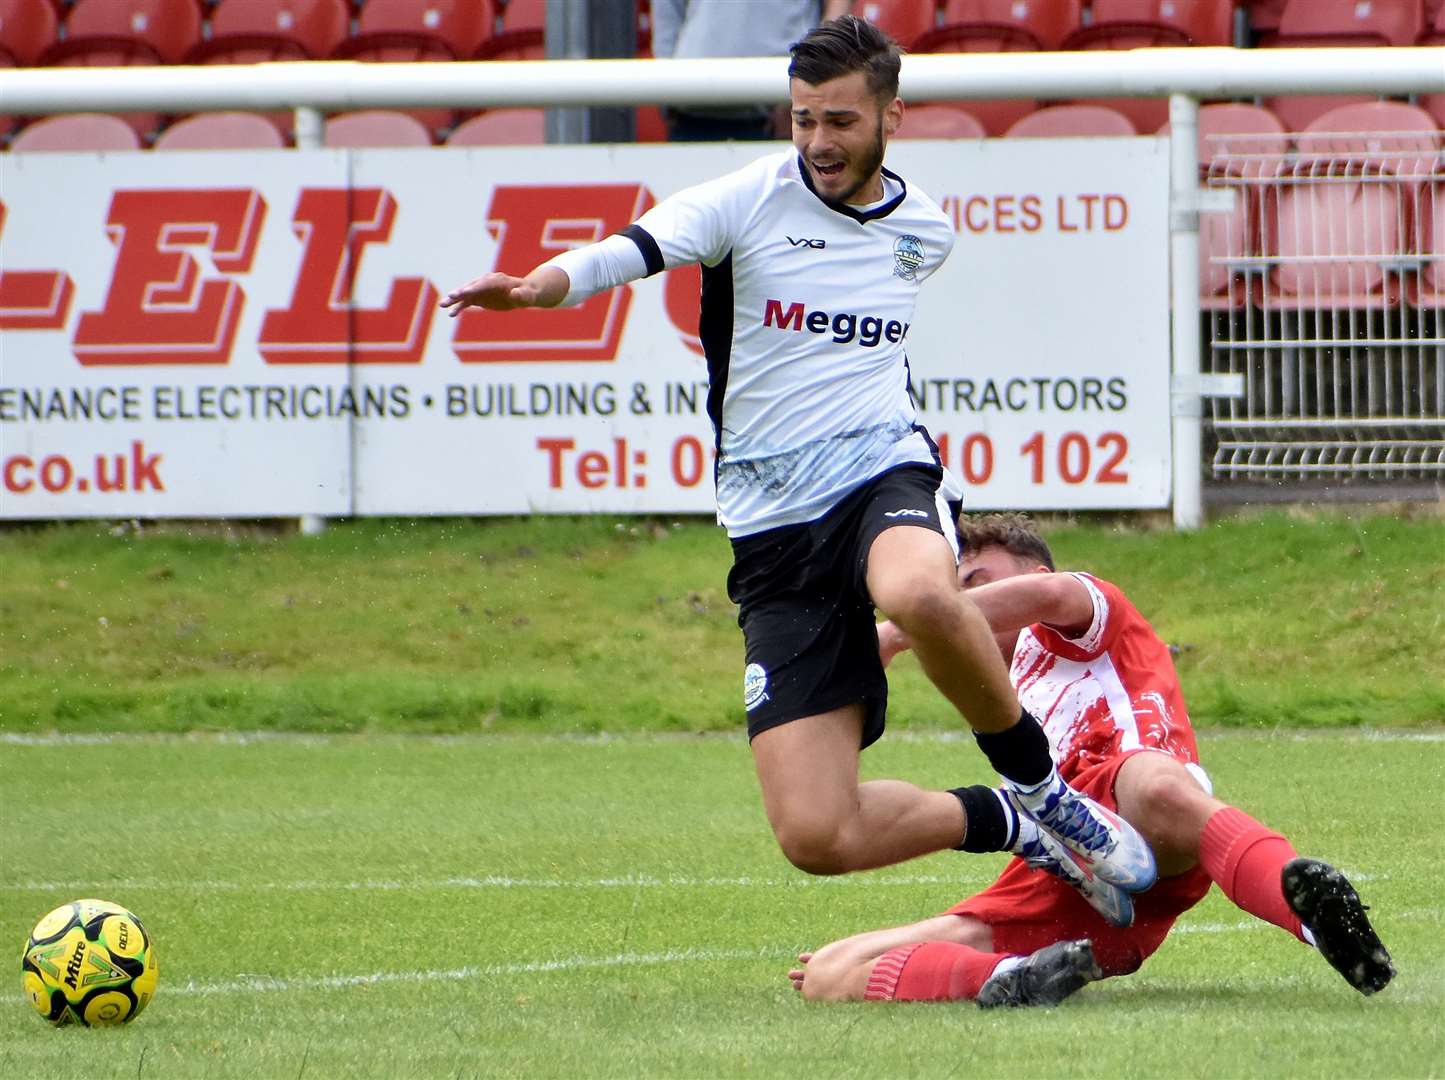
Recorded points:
(1332,313)
(335,85)
(1183,75)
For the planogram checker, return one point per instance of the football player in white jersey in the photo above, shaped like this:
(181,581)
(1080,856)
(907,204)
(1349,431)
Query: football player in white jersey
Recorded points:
(832,493)
(1100,678)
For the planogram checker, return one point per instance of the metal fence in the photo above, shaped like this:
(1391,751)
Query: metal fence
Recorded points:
(1324,288)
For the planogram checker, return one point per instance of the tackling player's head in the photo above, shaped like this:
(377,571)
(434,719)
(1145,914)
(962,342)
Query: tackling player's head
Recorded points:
(843,80)
(998,546)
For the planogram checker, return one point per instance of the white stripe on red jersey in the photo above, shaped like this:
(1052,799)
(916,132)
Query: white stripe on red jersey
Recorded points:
(1109,690)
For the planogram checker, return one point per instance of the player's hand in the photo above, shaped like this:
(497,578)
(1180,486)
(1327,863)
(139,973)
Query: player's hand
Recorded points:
(494,291)
(891,642)
(797,975)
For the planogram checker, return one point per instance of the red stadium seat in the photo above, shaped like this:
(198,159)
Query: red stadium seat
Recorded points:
(1333,23)
(252,31)
(1309,23)
(27,29)
(1298,111)
(77,131)
(903,20)
(1374,137)
(939,121)
(1067,120)
(1347,213)
(1002,26)
(1240,147)
(1137,24)
(1427,288)
(376,128)
(1239,140)
(997,115)
(409,30)
(255,31)
(644,29)
(1434,104)
(521,33)
(418,30)
(127,33)
(1434,33)
(1335,242)
(502,127)
(109,33)
(1264,15)
(221,131)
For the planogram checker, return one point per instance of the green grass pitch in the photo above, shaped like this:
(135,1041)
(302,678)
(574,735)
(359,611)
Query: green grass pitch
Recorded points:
(510,905)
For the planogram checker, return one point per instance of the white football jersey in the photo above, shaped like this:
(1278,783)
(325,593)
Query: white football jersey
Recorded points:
(806,309)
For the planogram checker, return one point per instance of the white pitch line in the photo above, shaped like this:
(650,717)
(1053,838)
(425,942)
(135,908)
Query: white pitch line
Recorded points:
(639,881)
(502,882)
(248,738)
(273,984)
(263,984)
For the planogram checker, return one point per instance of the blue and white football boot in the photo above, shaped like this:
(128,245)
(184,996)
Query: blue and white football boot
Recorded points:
(1106,844)
(1041,851)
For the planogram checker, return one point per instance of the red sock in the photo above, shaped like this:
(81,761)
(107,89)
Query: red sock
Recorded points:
(931,971)
(1245,860)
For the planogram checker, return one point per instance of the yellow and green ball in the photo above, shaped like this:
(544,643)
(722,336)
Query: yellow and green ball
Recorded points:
(89,962)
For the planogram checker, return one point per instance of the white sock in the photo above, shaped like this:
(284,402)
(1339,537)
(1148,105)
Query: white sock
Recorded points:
(1034,797)
(1026,833)
(1014,819)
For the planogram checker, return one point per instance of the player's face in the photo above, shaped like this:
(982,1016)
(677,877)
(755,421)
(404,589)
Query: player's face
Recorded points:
(840,131)
(991,563)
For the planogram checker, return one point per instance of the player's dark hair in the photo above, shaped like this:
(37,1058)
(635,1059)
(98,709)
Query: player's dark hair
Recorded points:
(842,46)
(1015,533)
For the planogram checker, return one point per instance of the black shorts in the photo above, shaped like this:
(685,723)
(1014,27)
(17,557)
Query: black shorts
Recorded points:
(804,608)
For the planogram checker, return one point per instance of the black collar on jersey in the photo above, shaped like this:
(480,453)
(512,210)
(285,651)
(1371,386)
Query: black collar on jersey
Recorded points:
(861,216)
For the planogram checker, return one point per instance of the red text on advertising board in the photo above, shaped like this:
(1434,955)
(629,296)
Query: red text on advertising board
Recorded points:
(1071,459)
(33,299)
(322,326)
(532,223)
(57,473)
(159,310)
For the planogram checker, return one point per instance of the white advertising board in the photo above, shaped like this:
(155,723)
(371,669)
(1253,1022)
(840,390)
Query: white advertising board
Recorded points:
(257,334)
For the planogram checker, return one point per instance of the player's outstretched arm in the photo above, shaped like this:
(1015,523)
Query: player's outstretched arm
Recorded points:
(1058,600)
(545,286)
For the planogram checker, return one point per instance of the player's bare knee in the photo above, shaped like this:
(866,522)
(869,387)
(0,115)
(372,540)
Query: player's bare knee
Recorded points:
(814,848)
(922,605)
(1172,794)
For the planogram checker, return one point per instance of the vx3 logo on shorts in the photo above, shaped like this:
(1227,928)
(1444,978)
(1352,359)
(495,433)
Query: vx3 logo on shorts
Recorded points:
(906,513)
(803,241)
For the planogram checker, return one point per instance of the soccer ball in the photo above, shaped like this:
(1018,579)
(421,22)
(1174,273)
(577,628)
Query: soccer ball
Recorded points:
(89,961)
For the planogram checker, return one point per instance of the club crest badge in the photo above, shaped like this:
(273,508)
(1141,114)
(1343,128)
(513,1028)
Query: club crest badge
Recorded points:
(907,256)
(755,686)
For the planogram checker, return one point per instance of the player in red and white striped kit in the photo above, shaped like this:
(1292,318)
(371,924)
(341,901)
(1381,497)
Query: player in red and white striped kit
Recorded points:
(1102,684)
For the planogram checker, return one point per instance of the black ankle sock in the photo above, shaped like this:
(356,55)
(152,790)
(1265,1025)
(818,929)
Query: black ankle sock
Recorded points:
(987,825)
(1019,753)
